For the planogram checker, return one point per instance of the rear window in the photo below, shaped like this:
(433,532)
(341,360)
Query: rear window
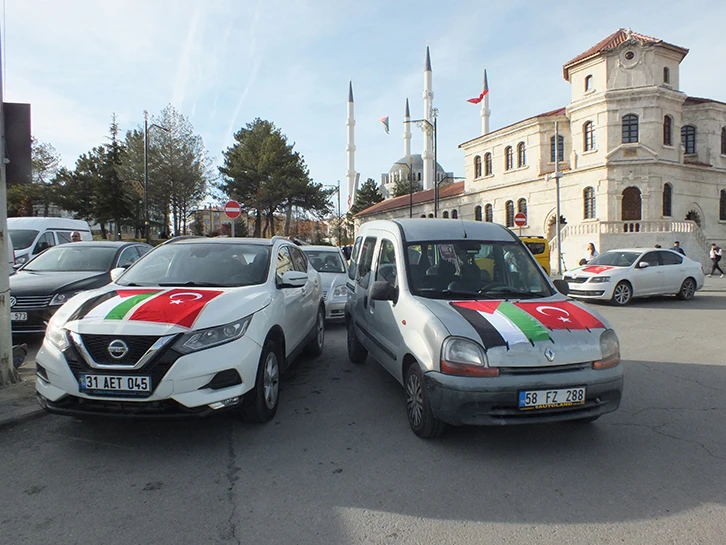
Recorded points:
(535,247)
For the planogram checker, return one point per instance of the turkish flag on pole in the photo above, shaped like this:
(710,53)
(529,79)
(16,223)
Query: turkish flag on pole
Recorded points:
(178,306)
(477,100)
(561,315)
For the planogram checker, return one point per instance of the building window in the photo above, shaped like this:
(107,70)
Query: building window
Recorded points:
(477,167)
(667,200)
(489,212)
(723,141)
(477,213)
(487,164)
(688,138)
(419,176)
(522,206)
(588,197)
(588,83)
(630,129)
(666,75)
(521,155)
(667,131)
(510,213)
(560,148)
(508,158)
(722,206)
(588,132)
(454,214)
(446,214)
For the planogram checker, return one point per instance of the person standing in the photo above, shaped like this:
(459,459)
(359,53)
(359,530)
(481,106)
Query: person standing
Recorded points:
(677,248)
(715,258)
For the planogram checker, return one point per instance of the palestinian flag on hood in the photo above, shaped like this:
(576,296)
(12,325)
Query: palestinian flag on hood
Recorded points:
(176,306)
(501,323)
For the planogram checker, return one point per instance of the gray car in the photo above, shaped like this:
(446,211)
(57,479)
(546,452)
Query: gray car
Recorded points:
(330,263)
(463,317)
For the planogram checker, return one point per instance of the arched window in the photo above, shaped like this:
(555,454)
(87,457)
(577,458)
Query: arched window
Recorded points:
(588,198)
(477,213)
(722,206)
(431,215)
(521,155)
(509,207)
(588,83)
(446,214)
(560,148)
(454,214)
(489,212)
(508,158)
(723,141)
(423,215)
(477,167)
(487,164)
(630,129)
(631,204)
(688,138)
(588,132)
(667,200)
(667,131)
(666,75)
(522,206)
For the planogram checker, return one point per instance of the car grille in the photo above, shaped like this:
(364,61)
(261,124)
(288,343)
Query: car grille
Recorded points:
(584,293)
(575,280)
(545,370)
(97,346)
(31,302)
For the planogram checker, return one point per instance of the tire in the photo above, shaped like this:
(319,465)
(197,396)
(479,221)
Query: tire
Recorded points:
(260,404)
(622,294)
(418,409)
(688,290)
(357,353)
(315,346)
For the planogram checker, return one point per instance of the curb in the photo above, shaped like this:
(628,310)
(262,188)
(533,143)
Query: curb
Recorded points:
(21,415)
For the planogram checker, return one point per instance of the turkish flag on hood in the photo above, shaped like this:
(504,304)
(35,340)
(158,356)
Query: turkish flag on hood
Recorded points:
(561,315)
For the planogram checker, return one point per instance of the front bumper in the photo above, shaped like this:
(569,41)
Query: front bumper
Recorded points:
(181,385)
(494,401)
(36,322)
(587,290)
(335,309)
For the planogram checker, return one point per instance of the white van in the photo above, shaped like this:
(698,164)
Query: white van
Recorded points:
(11,253)
(31,236)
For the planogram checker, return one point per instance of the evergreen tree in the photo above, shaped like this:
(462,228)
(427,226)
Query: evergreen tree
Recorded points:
(366,196)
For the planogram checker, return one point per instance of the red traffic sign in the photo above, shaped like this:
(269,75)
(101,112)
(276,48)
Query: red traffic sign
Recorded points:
(232,209)
(520,219)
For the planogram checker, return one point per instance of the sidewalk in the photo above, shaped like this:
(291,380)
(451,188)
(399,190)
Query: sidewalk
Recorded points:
(714,284)
(17,401)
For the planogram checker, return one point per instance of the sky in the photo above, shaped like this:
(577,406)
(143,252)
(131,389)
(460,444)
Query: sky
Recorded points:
(223,63)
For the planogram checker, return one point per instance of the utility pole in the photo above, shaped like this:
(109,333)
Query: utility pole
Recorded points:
(147,235)
(339,217)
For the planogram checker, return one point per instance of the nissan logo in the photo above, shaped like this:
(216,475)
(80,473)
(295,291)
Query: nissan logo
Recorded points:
(118,349)
(549,354)
(13,300)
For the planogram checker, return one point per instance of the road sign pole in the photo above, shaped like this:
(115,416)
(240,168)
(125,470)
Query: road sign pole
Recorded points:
(232,228)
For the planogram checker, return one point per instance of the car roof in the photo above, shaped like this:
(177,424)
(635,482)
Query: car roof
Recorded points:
(30,222)
(640,250)
(321,248)
(233,240)
(422,229)
(99,244)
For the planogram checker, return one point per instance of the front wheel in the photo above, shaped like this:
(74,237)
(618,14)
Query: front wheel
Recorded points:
(688,290)
(260,403)
(357,353)
(420,417)
(622,294)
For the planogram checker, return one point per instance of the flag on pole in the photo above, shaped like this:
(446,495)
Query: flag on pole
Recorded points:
(384,120)
(477,100)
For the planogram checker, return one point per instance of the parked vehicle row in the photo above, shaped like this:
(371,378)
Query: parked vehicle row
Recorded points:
(31,236)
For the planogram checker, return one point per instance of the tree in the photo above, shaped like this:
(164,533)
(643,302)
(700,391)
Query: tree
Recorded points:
(366,196)
(23,198)
(404,185)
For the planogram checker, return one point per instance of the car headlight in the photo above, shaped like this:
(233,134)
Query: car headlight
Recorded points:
(61,298)
(341,291)
(465,358)
(610,350)
(598,279)
(57,336)
(213,336)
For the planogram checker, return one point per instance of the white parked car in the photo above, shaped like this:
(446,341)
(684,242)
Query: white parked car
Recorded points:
(194,326)
(330,263)
(620,275)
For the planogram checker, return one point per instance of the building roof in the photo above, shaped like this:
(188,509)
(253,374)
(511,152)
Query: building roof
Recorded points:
(698,100)
(613,41)
(420,197)
(551,113)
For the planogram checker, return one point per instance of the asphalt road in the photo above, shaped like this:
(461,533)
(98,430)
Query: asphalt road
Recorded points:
(339,465)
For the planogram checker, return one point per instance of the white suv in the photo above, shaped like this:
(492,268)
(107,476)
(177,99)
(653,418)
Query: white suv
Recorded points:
(194,326)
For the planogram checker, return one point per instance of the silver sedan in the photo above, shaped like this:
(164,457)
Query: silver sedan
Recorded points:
(330,263)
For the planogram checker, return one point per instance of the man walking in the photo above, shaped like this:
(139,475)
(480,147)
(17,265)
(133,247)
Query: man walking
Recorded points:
(715,258)
(677,248)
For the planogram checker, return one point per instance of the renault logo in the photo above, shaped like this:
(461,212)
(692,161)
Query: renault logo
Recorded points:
(13,300)
(549,354)
(118,349)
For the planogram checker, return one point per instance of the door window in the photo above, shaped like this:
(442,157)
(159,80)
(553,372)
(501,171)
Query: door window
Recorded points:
(45,241)
(670,258)
(352,268)
(387,264)
(299,261)
(366,260)
(127,257)
(64,237)
(284,263)
(651,258)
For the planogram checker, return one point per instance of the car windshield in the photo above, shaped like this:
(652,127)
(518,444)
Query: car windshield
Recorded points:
(325,261)
(22,238)
(201,264)
(616,258)
(67,258)
(474,269)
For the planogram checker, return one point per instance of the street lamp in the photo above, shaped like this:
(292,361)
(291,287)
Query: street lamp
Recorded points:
(409,166)
(434,136)
(146,171)
(337,191)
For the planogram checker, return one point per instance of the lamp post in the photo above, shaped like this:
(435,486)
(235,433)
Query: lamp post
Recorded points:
(409,166)
(433,128)
(146,171)
(336,190)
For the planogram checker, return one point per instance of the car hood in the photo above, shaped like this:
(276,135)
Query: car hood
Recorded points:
(117,309)
(48,283)
(331,280)
(588,271)
(525,333)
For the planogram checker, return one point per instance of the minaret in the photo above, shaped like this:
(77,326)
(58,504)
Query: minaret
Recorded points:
(407,132)
(428,154)
(350,148)
(485,113)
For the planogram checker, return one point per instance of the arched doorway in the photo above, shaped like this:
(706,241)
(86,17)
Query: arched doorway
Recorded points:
(631,205)
(694,217)
(552,226)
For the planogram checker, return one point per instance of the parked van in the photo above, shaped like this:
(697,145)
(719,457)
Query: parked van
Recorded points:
(540,250)
(33,235)
(11,253)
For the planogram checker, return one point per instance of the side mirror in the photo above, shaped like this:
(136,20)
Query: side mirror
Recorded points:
(562,286)
(294,279)
(115,273)
(643,265)
(383,291)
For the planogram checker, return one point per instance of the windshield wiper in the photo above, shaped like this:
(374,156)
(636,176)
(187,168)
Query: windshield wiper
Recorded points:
(192,284)
(504,290)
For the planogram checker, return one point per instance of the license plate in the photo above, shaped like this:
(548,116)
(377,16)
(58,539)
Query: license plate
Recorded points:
(550,399)
(19,316)
(112,383)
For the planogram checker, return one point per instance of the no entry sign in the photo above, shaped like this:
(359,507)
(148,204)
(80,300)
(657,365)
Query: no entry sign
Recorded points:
(232,209)
(520,219)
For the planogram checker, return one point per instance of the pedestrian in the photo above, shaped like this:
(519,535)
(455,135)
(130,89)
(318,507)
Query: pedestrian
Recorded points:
(715,258)
(75,236)
(677,248)
(590,254)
